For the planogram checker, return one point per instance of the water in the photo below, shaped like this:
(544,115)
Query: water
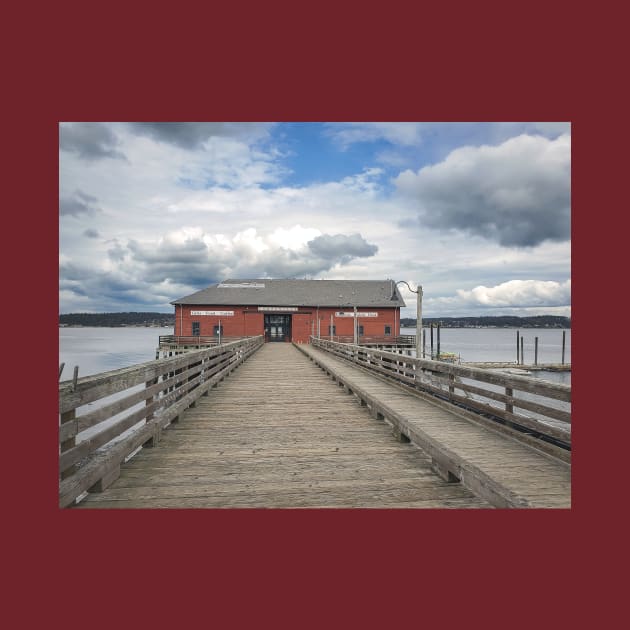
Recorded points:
(97,350)
(499,345)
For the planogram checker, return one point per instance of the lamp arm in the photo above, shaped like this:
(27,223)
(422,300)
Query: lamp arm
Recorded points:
(407,285)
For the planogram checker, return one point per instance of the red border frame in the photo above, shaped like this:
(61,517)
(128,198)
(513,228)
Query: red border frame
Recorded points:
(295,567)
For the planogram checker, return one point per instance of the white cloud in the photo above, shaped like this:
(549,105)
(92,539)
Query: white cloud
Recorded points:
(294,238)
(190,259)
(552,128)
(517,193)
(531,297)
(520,293)
(90,141)
(175,216)
(396,133)
(192,135)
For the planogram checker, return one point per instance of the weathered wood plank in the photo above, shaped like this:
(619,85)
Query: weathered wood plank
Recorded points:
(522,383)
(99,466)
(91,388)
(442,380)
(279,434)
(503,471)
(184,379)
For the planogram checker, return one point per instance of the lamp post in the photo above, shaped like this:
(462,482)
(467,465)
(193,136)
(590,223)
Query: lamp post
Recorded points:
(418,317)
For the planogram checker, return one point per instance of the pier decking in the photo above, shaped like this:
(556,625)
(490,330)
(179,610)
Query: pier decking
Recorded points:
(278,433)
(497,467)
(249,424)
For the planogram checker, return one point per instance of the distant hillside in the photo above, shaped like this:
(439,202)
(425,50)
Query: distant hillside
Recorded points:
(504,321)
(117,319)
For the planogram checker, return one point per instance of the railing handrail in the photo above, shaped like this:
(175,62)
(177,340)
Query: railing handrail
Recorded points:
(135,374)
(385,340)
(527,383)
(87,460)
(443,379)
(198,339)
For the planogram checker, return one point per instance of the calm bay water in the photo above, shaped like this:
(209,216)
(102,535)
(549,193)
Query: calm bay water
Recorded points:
(101,349)
(97,350)
(499,345)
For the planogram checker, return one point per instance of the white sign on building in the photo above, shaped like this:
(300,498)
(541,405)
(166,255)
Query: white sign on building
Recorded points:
(351,314)
(277,308)
(215,313)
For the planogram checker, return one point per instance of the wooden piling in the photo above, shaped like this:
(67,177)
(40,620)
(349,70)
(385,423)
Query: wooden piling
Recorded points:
(438,341)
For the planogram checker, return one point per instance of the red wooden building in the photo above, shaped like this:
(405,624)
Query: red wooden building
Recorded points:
(292,310)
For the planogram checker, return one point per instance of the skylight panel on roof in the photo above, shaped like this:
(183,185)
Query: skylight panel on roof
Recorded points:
(241,285)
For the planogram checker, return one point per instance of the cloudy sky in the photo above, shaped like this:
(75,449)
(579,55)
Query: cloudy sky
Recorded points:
(477,213)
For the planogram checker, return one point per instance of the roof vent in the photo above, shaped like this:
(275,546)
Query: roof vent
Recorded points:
(241,285)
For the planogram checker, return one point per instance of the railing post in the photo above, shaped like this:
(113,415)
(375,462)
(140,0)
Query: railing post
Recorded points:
(508,405)
(190,378)
(68,416)
(148,402)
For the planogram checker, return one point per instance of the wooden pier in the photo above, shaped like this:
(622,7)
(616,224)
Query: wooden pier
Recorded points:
(283,432)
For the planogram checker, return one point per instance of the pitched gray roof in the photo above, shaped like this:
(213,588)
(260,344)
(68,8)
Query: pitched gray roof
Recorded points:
(266,292)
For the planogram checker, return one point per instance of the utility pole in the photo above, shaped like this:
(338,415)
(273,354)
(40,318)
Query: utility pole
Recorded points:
(419,323)
(418,292)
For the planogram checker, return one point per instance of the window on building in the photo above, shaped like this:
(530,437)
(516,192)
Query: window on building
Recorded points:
(216,332)
(196,329)
(332,330)
(388,330)
(360,330)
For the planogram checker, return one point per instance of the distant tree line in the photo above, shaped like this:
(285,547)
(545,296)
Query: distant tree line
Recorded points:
(503,321)
(117,319)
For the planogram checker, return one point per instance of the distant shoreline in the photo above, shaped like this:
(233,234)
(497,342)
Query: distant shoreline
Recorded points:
(164,320)
(489,321)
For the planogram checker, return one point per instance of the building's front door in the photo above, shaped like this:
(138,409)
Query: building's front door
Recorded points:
(277,327)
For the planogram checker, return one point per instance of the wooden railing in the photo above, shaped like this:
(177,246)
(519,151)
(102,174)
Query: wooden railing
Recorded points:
(374,340)
(532,405)
(105,418)
(188,341)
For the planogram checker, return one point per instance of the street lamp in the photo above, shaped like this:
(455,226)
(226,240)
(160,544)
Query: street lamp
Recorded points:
(418,317)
